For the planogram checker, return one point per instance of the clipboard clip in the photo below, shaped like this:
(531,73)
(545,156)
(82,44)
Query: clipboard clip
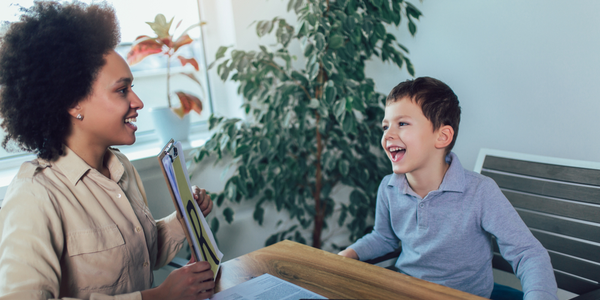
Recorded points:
(170,147)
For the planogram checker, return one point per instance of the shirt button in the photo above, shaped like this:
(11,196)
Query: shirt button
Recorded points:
(421,205)
(138,229)
(145,264)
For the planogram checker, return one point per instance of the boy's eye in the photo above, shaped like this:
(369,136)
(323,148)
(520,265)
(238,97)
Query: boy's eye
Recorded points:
(402,124)
(385,127)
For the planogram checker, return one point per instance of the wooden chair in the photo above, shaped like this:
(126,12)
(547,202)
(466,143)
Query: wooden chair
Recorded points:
(559,200)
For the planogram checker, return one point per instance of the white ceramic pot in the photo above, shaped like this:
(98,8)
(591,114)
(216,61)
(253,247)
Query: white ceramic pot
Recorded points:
(169,125)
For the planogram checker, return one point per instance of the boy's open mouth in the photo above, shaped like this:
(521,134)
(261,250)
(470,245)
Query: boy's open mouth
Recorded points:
(396,153)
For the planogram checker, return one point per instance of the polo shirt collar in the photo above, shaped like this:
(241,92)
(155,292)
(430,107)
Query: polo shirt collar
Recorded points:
(454,179)
(74,167)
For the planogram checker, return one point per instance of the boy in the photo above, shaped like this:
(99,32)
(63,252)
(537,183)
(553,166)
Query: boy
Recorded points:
(443,214)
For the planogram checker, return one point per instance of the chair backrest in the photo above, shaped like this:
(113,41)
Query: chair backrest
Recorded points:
(559,200)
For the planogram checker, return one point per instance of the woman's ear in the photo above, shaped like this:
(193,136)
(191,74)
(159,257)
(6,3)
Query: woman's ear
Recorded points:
(75,110)
(445,137)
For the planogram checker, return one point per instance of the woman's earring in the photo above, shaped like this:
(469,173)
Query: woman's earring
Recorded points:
(79,117)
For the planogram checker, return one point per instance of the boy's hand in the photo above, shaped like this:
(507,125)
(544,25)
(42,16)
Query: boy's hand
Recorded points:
(203,200)
(349,252)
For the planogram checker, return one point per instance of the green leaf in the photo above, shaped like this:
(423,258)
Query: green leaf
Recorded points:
(220,199)
(343,167)
(272,239)
(336,41)
(214,225)
(264,146)
(228,214)
(241,150)
(412,28)
(258,215)
(314,103)
(409,67)
(309,50)
(330,94)
(343,215)
(221,52)
(339,108)
(357,198)
(320,41)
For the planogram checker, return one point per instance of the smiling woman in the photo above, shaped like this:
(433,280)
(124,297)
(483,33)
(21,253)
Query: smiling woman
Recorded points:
(75,221)
(150,75)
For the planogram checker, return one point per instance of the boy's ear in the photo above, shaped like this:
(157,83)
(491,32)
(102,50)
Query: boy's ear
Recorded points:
(445,137)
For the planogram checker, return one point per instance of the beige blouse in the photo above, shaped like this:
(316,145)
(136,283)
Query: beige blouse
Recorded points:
(68,231)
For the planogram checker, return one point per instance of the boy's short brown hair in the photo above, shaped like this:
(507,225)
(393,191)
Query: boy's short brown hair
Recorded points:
(436,99)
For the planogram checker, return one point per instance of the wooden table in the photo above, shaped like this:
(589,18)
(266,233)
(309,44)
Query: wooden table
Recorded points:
(330,275)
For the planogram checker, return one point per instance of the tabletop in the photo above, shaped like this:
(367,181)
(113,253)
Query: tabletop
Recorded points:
(330,275)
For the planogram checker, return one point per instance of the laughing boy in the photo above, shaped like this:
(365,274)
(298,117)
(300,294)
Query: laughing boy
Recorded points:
(444,215)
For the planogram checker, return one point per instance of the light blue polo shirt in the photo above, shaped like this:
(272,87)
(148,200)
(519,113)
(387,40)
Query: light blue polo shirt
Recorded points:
(446,236)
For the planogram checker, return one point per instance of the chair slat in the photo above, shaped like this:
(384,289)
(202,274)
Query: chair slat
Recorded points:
(568,246)
(547,188)
(571,209)
(574,284)
(548,171)
(575,266)
(563,226)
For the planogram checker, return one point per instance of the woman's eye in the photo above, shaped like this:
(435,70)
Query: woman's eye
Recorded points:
(402,124)
(385,127)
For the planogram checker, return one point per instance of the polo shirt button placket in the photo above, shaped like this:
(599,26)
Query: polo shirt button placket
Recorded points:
(422,205)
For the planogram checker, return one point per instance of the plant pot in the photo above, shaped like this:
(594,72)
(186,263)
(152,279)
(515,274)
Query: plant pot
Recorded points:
(169,125)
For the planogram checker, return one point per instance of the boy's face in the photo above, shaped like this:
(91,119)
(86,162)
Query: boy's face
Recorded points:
(408,137)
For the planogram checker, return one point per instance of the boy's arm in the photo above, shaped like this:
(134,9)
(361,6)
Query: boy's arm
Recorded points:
(528,258)
(382,239)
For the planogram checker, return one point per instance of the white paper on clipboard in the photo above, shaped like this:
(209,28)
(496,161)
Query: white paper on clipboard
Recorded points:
(202,240)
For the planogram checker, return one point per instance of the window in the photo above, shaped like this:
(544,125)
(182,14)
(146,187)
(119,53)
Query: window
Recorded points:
(150,74)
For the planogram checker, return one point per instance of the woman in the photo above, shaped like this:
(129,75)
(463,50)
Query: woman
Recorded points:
(75,221)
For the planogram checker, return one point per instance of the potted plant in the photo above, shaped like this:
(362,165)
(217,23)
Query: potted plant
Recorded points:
(311,126)
(170,122)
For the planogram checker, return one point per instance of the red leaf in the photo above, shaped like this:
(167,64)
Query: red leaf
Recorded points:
(167,41)
(189,103)
(182,40)
(143,48)
(192,61)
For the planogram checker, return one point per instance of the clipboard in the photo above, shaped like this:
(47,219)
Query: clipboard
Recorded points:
(195,227)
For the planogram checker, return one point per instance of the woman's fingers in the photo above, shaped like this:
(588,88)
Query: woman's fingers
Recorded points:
(203,200)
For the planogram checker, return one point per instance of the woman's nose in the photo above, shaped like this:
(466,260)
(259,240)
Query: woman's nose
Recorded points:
(136,102)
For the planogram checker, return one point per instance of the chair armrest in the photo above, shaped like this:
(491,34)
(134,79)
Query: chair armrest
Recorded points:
(593,295)
(178,262)
(385,257)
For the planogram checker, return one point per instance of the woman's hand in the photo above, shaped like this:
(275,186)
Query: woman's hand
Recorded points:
(192,281)
(203,200)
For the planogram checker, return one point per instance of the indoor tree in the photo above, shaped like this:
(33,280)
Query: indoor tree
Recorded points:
(313,122)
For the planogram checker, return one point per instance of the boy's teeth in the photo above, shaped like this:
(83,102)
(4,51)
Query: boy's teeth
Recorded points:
(129,120)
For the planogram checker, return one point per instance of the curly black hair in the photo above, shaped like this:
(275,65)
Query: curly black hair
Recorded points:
(49,60)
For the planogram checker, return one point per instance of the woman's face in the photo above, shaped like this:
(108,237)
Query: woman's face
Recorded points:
(110,110)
